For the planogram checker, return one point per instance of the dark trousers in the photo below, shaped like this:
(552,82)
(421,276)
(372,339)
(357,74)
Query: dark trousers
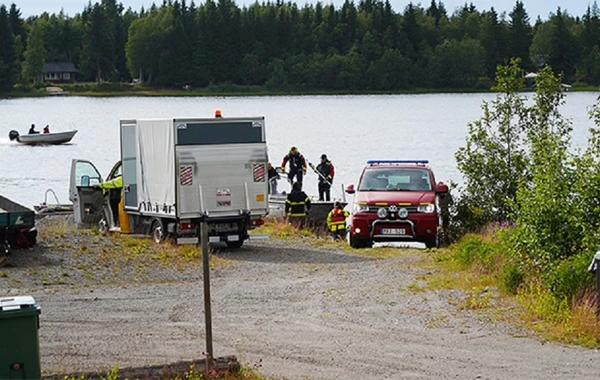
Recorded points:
(114,207)
(339,234)
(298,175)
(297,221)
(324,191)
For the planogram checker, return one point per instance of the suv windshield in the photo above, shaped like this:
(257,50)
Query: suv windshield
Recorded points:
(395,179)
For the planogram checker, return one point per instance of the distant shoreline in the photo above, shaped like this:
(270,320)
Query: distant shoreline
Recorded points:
(118,90)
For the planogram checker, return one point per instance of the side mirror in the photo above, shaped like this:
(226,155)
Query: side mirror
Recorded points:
(85,181)
(442,188)
(350,189)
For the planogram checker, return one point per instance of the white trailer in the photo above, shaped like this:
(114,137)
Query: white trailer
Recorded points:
(178,172)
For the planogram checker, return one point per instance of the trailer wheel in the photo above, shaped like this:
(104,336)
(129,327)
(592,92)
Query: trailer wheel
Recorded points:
(158,231)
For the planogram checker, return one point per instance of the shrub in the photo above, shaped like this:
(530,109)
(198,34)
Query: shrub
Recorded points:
(512,278)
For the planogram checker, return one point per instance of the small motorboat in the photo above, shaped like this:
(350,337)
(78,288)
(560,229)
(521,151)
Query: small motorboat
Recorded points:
(42,138)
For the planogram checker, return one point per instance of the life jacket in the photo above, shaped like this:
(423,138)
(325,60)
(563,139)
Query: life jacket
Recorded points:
(297,162)
(297,203)
(336,219)
(326,169)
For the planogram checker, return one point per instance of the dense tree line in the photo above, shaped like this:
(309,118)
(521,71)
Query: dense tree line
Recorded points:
(357,47)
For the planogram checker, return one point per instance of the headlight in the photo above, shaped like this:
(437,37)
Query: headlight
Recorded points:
(426,208)
(402,213)
(382,212)
(361,208)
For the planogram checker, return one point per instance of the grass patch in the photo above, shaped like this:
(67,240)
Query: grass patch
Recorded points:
(480,266)
(59,228)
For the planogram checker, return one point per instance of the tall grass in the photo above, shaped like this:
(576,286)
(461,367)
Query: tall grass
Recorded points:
(558,302)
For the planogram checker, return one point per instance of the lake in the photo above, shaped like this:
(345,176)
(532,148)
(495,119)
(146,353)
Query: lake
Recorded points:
(349,129)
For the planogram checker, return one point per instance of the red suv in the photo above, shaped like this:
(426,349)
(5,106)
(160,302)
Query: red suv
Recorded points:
(396,200)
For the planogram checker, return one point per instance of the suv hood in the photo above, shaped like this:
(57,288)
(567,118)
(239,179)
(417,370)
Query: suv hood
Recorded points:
(394,197)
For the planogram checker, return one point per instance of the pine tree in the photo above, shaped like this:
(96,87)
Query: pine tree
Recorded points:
(519,35)
(7,52)
(35,54)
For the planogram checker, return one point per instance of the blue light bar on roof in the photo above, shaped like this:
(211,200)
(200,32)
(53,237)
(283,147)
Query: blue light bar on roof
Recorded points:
(371,162)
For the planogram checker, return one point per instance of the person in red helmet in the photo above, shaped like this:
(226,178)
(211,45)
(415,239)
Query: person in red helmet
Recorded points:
(218,113)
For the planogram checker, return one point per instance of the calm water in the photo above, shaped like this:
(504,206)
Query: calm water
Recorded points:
(349,129)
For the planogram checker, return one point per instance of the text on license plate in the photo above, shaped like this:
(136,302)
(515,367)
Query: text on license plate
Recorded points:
(393,231)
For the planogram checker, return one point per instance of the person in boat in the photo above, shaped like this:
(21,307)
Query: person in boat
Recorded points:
(47,128)
(218,113)
(325,170)
(336,221)
(114,187)
(32,130)
(297,206)
(273,177)
(297,165)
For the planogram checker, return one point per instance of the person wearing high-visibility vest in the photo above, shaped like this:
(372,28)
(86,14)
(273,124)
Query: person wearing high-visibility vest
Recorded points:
(297,205)
(114,194)
(336,221)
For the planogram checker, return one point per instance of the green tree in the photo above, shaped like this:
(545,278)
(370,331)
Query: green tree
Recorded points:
(493,161)
(35,54)
(145,43)
(562,46)
(458,64)
(492,38)
(98,44)
(7,52)
(541,45)
(519,34)
(590,37)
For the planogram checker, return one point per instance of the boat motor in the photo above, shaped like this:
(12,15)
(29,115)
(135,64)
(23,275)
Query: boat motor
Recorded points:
(13,135)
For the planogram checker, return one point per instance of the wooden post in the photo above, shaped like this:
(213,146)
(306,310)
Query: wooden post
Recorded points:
(207,312)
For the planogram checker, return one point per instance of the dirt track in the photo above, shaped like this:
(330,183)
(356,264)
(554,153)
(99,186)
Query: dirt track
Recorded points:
(304,311)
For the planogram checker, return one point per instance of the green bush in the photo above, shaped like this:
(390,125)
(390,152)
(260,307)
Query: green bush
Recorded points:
(512,278)
(569,278)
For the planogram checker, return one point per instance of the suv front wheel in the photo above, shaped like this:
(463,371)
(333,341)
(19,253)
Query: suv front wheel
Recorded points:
(359,243)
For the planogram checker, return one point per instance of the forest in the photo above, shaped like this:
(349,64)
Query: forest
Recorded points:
(364,47)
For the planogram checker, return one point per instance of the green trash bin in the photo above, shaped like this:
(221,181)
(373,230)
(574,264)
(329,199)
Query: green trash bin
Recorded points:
(19,341)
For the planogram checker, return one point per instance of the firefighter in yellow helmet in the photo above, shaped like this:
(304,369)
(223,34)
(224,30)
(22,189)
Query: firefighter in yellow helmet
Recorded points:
(336,221)
(297,165)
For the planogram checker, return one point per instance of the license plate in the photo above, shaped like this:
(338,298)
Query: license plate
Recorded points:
(393,231)
(190,240)
(225,227)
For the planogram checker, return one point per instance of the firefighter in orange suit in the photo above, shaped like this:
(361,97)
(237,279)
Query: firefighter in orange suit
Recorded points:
(336,221)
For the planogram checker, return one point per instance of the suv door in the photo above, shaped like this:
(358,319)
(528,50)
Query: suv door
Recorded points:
(87,200)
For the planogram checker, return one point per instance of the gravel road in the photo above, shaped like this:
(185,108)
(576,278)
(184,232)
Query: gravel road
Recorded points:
(296,309)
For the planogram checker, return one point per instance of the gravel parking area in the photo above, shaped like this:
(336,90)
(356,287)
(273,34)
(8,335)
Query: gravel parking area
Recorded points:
(298,309)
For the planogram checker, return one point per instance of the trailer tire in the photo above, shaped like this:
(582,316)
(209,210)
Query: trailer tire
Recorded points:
(158,231)
(234,244)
